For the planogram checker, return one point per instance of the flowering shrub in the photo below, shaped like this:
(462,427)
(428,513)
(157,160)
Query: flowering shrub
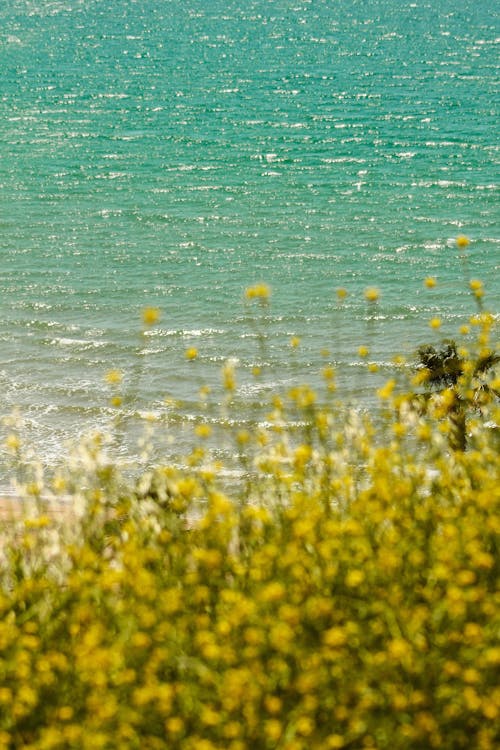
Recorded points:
(343,595)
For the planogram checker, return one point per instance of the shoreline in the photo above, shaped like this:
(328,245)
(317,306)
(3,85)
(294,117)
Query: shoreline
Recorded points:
(14,507)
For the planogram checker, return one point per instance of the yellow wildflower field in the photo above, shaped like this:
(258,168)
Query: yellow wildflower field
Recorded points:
(343,595)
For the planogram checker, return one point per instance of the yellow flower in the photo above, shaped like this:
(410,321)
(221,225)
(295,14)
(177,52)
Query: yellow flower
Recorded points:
(303,396)
(335,637)
(174,725)
(334,741)
(12,443)
(5,695)
(66,713)
(424,432)
(363,351)
(59,484)
(302,454)
(399,429)
(341,293)
(385,392)
(191,353)
(150,315)
(354,578)
(399,648)
(273,704)
(471,675)
(209,716)
(273,729)
(294,342)
(114,377)
(203,430)
(490,709)
(328,373)
(435,323)
(304,726)
(430,282)
(471,698)
(274,591)
(229,375)
(258,291)
(372,294)
(462,241)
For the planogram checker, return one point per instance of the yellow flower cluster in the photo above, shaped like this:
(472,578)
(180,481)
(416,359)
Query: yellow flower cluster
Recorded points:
(372,294)
(344,596)
(258,291)
(150,316)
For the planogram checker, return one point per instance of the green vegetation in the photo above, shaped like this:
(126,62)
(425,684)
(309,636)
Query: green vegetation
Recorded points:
(444,369)
(343,595)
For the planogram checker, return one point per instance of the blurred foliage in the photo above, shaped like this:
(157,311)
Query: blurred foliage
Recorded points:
(343,594)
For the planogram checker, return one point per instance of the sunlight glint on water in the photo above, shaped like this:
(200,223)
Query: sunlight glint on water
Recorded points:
(172,154)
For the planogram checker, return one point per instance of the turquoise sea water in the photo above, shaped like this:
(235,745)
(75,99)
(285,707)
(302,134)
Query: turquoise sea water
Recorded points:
(173,153)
